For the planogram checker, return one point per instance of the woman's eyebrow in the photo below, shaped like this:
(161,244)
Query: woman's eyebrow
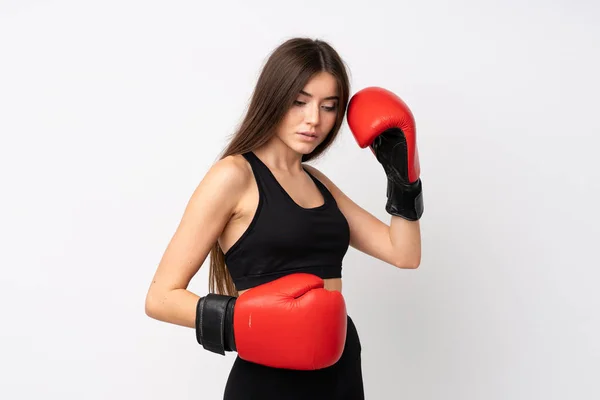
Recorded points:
(326,98)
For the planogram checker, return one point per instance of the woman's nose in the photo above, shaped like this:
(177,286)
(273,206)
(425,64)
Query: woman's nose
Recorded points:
(312,114)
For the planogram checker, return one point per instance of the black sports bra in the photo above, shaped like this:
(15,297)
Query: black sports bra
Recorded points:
(285,238)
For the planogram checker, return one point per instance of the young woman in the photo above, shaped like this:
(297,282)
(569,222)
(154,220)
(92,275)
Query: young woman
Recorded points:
(277,231)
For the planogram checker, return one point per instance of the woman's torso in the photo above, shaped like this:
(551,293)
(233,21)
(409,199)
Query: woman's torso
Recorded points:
(299,187)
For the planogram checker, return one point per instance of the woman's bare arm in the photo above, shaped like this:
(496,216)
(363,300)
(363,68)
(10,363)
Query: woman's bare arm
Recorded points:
(207,213)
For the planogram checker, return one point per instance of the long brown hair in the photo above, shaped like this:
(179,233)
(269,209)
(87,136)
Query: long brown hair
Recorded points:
(287,70)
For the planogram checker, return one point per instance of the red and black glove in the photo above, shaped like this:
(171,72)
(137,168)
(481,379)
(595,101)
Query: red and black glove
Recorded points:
(291,323)
(381,120)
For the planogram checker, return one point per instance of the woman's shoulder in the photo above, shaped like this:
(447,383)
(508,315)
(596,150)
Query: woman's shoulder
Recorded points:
(229,175)
(320,175)
(234,164)
(335,191)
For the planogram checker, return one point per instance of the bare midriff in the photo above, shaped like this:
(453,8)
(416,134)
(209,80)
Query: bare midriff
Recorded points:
(330,284)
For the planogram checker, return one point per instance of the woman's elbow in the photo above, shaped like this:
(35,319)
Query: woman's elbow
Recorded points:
(151,306)
(409,263)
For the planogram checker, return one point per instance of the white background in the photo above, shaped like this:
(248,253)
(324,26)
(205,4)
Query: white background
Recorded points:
(112,111)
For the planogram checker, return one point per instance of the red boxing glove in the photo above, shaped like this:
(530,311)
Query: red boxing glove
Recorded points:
(290,323)
(381,120)
(293,322)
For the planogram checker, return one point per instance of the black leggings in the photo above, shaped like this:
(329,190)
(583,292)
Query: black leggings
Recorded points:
(343,380)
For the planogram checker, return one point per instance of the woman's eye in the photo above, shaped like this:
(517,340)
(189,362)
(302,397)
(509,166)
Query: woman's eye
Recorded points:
(326,108)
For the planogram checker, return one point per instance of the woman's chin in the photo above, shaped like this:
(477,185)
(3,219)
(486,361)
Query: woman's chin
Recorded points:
(304,147)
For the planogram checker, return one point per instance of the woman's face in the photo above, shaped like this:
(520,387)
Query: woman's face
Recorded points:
(312,115)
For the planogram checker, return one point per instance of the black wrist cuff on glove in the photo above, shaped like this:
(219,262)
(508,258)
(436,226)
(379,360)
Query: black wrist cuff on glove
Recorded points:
(405,201)
(214,323)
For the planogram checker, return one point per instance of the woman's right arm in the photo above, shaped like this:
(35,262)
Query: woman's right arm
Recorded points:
(207,213)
